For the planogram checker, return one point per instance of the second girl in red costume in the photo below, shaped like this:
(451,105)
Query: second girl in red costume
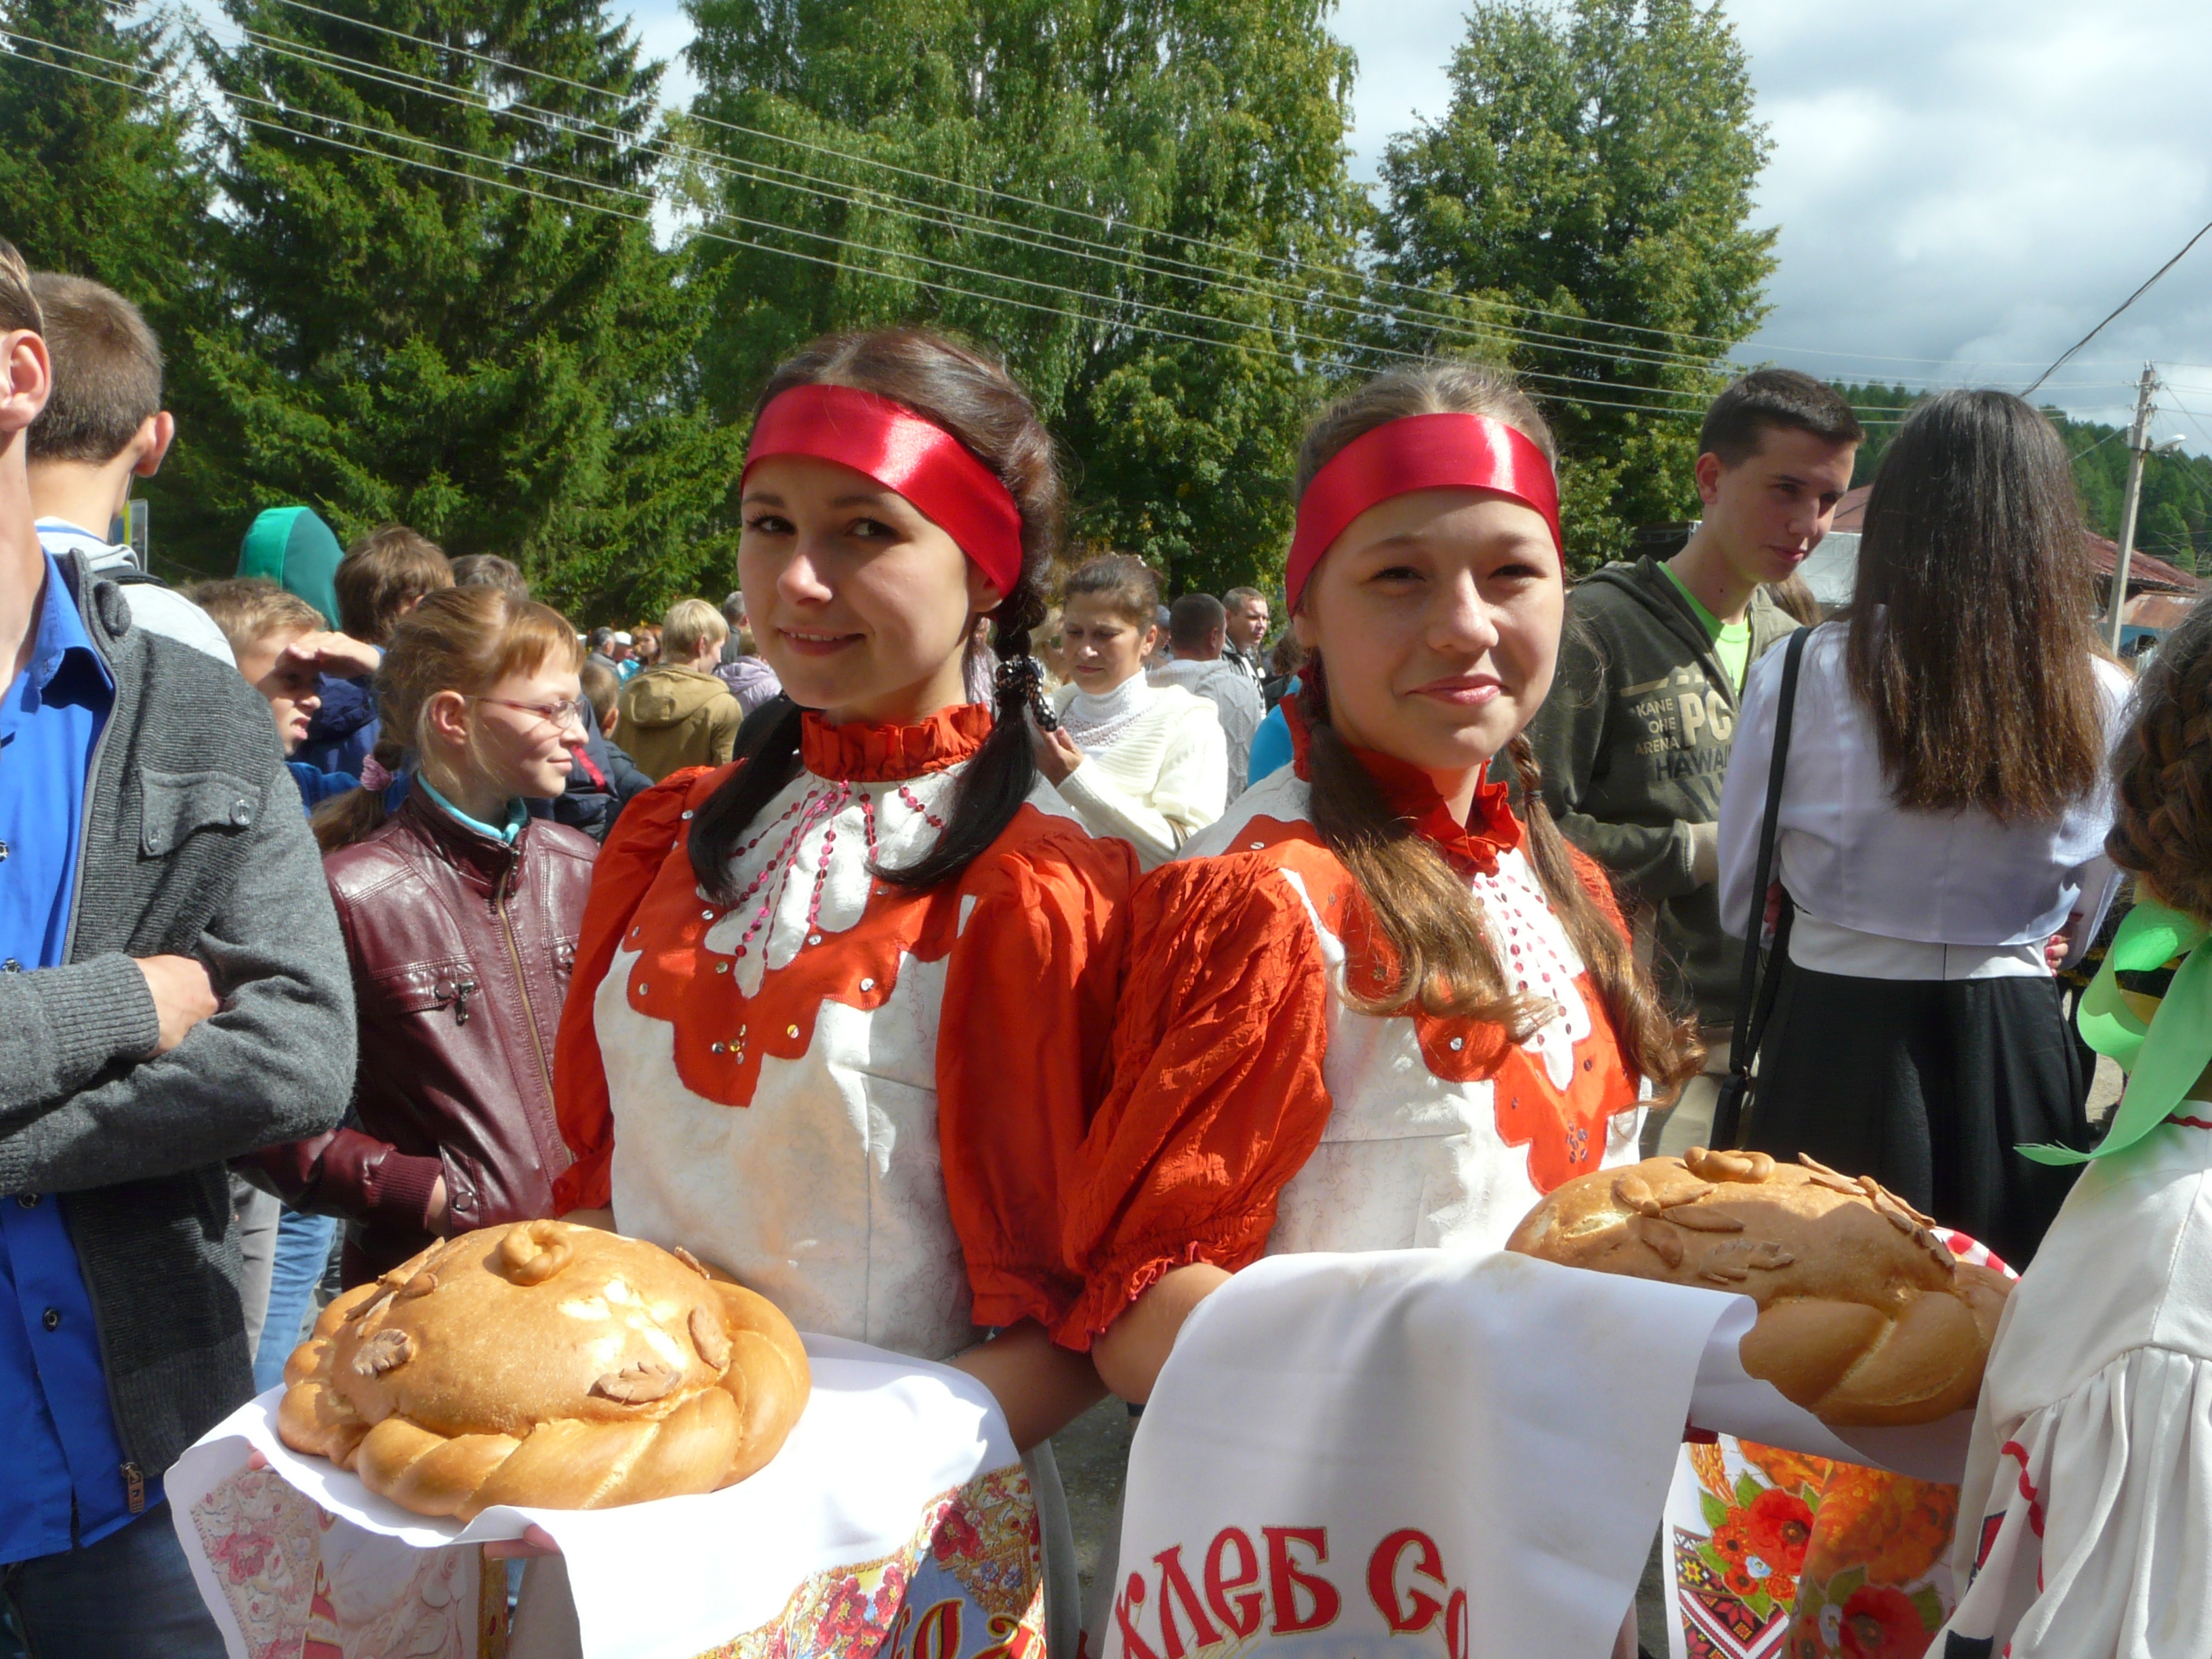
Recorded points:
(1369,1009)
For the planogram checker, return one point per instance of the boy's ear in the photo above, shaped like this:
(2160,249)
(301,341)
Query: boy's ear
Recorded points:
(154,435)
(26,377)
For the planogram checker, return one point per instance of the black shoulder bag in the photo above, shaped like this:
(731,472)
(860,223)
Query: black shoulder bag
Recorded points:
(1754,997)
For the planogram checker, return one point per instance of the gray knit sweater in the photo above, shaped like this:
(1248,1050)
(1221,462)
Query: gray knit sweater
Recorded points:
(193,844)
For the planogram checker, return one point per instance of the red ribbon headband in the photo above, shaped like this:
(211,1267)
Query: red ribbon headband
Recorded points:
(1419,452)
(904,453)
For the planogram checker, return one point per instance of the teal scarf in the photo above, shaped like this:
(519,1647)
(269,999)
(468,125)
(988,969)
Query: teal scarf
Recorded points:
(2163,1046)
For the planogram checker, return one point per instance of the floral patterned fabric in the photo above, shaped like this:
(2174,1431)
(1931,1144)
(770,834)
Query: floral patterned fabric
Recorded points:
(969,1585)
(1776,1555)
(303,1584)
(1771,1554)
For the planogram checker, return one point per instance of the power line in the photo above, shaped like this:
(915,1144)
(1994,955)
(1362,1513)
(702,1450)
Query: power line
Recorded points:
(2117,309)
(2189,412)
(554,176)
(1580,387)
(935,215)
(1107,221)
(404,79)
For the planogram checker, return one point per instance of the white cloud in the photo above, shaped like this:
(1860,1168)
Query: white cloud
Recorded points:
(1963,187)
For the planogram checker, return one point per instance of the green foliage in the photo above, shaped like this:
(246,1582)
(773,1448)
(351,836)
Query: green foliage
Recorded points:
(98,180)
(508,372)
(1597,161)
(105,181)
(2175,523)
(1219,121)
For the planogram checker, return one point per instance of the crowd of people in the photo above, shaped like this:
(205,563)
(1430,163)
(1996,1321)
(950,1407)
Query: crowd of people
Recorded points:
(1070,951)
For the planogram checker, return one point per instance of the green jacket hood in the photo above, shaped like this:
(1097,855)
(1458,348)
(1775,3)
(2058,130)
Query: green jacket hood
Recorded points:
(292,547)
(1634,743)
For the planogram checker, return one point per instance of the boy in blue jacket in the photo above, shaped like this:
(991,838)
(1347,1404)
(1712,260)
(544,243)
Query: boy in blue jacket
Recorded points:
(283,650)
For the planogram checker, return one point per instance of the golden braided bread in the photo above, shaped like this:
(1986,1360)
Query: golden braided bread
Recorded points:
(1866,1319)
(548,1365)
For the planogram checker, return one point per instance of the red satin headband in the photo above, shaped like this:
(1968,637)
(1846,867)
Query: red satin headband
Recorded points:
(902,451)
(1419,452)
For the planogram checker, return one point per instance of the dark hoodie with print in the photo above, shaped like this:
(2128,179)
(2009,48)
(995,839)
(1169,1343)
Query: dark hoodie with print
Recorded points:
(1634,742)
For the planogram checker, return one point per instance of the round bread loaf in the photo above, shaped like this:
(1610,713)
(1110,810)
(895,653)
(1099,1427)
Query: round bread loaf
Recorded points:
(549,1365)
(1865,1317)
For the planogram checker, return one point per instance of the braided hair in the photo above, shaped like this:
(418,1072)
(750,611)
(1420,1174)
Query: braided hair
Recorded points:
(2162,773)
(973,398)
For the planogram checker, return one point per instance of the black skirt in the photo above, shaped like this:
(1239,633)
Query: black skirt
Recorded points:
(1928,1085)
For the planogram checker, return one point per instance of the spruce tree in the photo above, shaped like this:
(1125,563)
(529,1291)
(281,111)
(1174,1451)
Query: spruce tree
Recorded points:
(99,179)
(102,178)
(448,307)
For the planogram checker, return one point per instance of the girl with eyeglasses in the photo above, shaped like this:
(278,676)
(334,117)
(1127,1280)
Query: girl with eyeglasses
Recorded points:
(460,911)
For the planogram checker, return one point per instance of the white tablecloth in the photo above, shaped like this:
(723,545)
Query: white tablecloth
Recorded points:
(898,1491)
(1452,1454)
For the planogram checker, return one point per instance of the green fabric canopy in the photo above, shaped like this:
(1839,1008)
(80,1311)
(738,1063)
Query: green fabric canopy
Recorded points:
(298,552)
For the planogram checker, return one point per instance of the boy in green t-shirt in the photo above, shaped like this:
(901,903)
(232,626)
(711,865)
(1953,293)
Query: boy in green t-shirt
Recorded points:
(1635,737)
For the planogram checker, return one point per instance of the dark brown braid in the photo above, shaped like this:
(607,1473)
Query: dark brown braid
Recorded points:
(2162,773)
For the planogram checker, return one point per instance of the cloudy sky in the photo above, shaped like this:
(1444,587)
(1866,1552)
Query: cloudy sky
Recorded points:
(1963,187)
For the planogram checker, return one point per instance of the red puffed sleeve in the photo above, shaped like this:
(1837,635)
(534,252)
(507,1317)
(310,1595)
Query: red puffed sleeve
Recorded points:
(1217,1099)
(639,845)
(1023,1048)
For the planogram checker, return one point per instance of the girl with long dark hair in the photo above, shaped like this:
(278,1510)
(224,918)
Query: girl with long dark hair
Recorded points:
(1940,831)
(842,1008)
(1370,1008)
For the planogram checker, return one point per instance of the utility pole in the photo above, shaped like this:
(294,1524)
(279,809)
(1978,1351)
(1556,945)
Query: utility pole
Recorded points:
(2138,447)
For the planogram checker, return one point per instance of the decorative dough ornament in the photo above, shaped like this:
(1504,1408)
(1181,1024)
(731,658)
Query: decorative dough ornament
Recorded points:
(1865,1317)
(548,1365)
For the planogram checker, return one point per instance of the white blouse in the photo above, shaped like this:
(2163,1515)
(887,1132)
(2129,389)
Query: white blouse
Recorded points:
(1155,768)
(2086,1516)
(1864,872)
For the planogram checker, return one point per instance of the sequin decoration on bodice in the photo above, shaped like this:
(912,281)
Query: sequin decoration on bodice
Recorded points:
(810,922)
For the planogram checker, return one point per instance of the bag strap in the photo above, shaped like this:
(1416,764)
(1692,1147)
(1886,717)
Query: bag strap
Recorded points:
(1755,1001)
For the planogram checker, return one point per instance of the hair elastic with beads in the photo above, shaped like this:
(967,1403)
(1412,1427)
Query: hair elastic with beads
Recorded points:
(1022,678)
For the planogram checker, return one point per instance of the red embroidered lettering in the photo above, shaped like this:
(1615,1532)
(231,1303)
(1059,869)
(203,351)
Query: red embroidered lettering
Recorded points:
(938,1635)
(1239,1613)
(1013,1639)
(1285,1580)
(1175,1581)
(1132,1597)
(1455,1625)
(1419,1609)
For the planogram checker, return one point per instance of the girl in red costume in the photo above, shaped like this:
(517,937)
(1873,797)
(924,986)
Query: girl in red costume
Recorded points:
(842,1008)
(1372,1009)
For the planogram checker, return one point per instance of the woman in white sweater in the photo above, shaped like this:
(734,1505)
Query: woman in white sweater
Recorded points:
(1148,763)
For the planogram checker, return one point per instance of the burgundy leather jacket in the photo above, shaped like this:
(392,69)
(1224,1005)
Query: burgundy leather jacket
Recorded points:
(461,948)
